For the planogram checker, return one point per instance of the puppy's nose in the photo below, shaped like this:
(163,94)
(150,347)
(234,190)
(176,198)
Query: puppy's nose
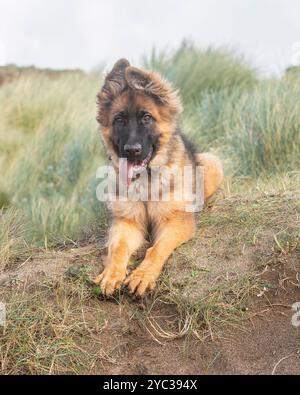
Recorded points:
(133,149)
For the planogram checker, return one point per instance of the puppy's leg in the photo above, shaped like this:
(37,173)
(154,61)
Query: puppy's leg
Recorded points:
(213,172)
(170,234)
(124,239)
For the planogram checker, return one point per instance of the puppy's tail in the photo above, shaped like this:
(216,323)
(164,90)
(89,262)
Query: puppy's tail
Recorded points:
(213,172)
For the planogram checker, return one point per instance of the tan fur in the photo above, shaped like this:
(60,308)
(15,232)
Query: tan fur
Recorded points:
(213,172)
(172,225)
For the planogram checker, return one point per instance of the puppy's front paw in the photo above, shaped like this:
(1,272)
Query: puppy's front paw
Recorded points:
(110,279)
(141,280)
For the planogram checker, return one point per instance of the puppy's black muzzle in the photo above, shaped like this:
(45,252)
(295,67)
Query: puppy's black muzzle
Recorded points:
(133,150)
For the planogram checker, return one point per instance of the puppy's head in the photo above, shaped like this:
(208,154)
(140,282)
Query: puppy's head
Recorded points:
(137,111)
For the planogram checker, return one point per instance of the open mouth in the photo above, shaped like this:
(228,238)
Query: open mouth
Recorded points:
(134,168)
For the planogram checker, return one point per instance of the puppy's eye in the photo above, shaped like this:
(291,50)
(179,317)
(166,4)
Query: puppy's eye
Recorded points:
(147,118)
(119,121)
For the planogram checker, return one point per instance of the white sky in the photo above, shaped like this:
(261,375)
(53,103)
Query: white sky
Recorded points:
(86,33)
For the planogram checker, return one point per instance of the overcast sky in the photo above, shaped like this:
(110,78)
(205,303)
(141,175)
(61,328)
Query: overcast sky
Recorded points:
(87,33)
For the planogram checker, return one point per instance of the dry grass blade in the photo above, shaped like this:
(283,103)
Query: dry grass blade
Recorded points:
(279,362)
(13,233)
(168,335)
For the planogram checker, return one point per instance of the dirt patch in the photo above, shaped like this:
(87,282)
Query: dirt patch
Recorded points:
(269,344)
(222,306)
(136,339)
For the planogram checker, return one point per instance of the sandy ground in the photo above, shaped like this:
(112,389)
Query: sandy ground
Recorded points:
(265,343)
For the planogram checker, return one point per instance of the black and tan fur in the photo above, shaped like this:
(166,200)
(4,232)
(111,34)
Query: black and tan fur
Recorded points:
(135,92)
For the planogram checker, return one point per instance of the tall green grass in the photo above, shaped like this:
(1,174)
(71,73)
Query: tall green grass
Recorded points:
(196,71)
(256,131)
(14,234)
(264,129)
(50,146)
(51,164)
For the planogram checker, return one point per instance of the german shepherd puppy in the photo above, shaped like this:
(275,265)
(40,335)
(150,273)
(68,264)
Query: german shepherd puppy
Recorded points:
(138,113)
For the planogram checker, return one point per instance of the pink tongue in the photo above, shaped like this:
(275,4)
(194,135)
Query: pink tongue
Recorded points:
(129,173)
(126,171)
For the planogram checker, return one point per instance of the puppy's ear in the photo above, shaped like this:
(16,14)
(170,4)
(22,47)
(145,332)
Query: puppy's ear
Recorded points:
(113,86)
(153,85)
(115,80)
(120,66)
(137,79)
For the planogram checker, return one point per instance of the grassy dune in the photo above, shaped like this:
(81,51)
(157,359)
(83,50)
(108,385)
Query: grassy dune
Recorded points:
(50,146)
(50,150)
